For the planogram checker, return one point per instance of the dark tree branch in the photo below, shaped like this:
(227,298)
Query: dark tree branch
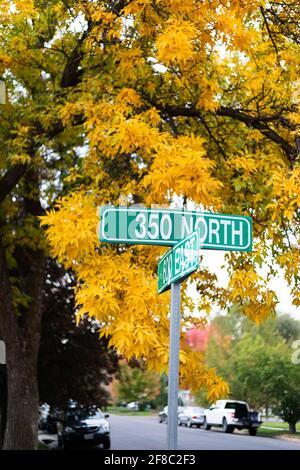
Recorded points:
(284,24)
(253,122)
(10,179)
(260,124)
(72,73)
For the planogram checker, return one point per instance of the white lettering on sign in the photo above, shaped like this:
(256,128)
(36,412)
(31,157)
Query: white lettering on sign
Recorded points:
(142,232)
(231,230)
(153,224)
(185,256)
(226,224)
(213,231)
(167,269)
(185,228)
(166,227)
(178,260)
(238,233)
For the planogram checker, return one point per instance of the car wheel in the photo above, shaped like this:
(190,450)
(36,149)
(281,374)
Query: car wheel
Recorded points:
(226,428)
(205,425)
(252,431)
(106,444)
(179,422)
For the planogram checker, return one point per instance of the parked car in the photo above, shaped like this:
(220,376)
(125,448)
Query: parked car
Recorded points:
(191,416)
(83,425)
(163,415)
(133,406)
(230,415)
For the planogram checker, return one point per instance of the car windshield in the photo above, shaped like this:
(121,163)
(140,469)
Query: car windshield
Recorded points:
(79,414)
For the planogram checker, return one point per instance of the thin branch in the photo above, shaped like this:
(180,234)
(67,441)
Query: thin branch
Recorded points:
(270,34)
(250,121)
(213,137)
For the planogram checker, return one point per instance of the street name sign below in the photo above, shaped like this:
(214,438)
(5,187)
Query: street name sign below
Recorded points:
(135,225)
(178,262)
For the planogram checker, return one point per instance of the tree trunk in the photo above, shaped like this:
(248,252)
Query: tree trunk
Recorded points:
(292,428)
(21,333)
(3,402)
(267,412)
(23,399)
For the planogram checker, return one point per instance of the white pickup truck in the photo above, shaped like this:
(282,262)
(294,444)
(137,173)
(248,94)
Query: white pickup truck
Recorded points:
(230,415)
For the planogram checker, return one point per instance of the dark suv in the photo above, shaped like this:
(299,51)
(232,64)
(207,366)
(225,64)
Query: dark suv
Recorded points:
(83,425)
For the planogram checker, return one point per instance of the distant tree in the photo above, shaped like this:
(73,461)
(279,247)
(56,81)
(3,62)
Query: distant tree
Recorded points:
(138,384)
(197,338)
(256,362)
(257,369)
(73,362)
(200,398)
(288,327)
(162,398)
(287,392)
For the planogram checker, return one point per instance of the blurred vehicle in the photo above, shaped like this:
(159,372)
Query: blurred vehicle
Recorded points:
(133,406)
(53,417)
(43,416)
(191,416)
(230,415)
(163,415)
(48,418)
(83,425)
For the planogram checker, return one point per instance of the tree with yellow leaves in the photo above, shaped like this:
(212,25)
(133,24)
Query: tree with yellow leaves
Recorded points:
(141,102)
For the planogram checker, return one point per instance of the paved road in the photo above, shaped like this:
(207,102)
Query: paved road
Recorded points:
(145,433)
(136,432)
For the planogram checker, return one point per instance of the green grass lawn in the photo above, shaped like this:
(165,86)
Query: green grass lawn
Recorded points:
(114,410)
(275,428)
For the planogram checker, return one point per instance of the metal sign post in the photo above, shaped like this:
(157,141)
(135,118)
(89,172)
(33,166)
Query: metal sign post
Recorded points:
(173,268)
(173,375)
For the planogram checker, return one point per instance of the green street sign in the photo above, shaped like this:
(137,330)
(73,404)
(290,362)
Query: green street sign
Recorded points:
(178,262)
(137,225)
